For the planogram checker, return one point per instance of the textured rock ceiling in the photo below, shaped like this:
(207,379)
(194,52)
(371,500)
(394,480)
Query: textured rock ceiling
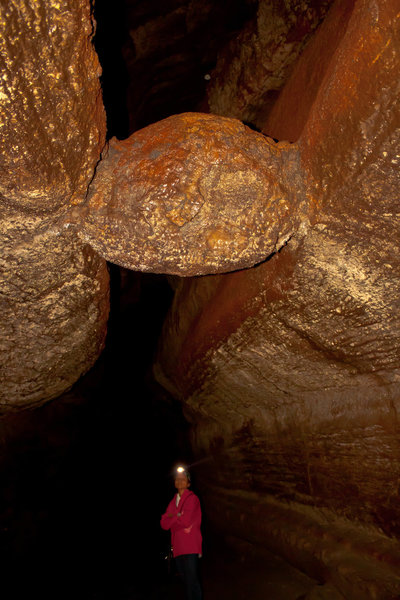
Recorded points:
(54,287)
(289,371)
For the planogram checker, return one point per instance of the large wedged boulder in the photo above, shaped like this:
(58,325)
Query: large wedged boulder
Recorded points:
(193,194)
(289,371)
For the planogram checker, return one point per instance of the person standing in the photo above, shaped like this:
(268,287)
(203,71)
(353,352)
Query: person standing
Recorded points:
(183,519)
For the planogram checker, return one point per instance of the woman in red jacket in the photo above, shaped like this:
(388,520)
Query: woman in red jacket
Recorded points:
(183,518)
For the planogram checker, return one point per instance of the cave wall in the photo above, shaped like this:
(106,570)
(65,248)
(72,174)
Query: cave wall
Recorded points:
(289,372)
(54,288)
(253,68)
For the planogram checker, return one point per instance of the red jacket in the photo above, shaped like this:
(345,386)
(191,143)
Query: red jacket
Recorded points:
(185,529)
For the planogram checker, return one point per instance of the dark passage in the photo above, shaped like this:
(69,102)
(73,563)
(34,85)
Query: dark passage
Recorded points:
(85,477)
(157,56)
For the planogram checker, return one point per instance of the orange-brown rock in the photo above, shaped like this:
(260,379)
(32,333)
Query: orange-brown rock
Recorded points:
(287,117)
(253,68)
(193,194)
(54,289)
(52,128)
(54,311)
(290,372)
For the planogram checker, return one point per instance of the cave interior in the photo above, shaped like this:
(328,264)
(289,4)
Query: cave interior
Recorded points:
(74,470)
(279,383)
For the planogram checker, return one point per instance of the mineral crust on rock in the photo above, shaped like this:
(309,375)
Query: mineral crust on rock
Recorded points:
(193,194)
(253,68)
(54,311)
(53,288)
(289,371)
(52,126)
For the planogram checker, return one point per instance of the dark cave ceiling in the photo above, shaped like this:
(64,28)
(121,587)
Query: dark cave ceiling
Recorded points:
(160,58)
(157,56)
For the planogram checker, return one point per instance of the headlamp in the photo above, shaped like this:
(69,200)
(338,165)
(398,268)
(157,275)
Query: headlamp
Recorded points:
(181,470)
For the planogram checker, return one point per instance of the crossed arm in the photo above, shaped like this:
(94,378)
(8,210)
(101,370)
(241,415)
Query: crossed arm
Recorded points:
(172,519)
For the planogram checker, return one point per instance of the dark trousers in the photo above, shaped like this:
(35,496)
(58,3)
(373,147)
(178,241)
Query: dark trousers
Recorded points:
(188,569)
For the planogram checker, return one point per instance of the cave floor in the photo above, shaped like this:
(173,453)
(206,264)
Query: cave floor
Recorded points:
(239,577)
(236,575)
(241,580)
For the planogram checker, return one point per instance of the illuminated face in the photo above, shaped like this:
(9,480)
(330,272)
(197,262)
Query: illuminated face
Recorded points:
(181,482)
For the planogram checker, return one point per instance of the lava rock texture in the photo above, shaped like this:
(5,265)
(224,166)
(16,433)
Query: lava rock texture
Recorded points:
(54,289)
(193,194)
(255,65)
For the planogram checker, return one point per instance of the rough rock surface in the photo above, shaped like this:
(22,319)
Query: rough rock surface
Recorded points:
(54,290)
(49,87)
(286,118)
(255,65)
(193,194)
(290,372)
(52,134)
(54,310)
